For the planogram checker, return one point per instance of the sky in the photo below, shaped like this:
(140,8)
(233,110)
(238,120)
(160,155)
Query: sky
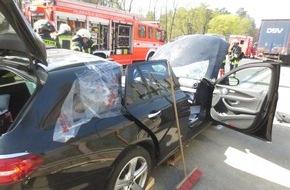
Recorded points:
(257,9)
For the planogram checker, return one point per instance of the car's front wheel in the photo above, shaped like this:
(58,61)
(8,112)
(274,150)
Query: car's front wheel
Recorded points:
(131,171)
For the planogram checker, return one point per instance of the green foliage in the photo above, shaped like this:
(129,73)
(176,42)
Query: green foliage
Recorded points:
(231,24)
(223,24)
(223,11)
(201,20)
(150,16)
(186,21)
(241,12)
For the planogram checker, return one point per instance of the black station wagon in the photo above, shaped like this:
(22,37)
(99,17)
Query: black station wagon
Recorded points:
(71,120)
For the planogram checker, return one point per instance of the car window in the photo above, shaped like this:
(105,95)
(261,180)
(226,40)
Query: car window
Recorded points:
(147,81)
(95,93)
(254,78)
(15,91)
(142,31)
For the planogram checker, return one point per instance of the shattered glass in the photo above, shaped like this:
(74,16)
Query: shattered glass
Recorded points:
(195,70)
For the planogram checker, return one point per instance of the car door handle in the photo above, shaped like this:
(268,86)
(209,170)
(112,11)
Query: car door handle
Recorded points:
(230,102)
(233,103)
(153,115)
(234,108)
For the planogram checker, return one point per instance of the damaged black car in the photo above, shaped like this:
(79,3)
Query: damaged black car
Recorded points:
(70,120)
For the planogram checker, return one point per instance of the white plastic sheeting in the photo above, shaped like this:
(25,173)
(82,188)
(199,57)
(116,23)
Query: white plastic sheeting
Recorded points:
(95,93)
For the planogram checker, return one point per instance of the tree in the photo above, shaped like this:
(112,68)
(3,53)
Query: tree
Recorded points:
(202,16)
(223,11)
(187,21)
(183,24)
(224,25)
(130,5)
(242,13)
(231,24)
(175,5)
(165,22)
(151,14)
(244,25)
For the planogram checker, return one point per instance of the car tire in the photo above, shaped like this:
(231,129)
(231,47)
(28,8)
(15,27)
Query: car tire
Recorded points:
(131,170)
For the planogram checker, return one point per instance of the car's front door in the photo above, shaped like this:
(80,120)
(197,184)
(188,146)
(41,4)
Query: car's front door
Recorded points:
(246,98)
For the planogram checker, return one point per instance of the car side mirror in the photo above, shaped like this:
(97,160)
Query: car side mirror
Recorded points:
(232,81)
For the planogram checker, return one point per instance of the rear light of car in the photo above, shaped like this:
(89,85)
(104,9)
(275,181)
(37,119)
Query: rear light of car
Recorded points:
(15,167)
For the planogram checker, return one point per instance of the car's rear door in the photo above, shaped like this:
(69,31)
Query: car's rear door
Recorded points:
(246,98)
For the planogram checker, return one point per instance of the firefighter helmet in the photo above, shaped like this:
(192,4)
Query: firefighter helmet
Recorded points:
(64,28)
(84,33)
(235,41)
(43,25)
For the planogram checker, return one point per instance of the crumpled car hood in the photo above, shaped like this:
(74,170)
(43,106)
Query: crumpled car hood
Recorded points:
(194,56)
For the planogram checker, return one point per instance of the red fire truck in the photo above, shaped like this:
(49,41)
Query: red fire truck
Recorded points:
(120,36)
(245,42)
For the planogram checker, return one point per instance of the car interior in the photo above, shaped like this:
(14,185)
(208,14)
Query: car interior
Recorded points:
(14,93)
(237,101)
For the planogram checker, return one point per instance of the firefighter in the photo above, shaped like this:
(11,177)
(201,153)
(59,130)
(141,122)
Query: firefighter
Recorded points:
(254,50)
(45,29)
(64,36)
(235,54)
(82,42)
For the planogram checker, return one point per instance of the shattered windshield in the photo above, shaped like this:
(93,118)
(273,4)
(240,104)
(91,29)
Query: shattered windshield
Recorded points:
(195,70)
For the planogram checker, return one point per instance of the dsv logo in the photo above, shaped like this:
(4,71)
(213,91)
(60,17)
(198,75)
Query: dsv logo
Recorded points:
(274,30)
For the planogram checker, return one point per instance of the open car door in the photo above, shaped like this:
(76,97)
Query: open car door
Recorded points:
(245,99)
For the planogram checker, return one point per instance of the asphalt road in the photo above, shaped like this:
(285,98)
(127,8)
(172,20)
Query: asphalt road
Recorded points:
(230,160)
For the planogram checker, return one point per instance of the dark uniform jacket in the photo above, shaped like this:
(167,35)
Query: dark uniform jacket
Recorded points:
(78,45)
(49,41)
(65,40)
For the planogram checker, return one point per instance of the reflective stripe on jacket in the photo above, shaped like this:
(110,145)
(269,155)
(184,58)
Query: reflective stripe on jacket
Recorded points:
(50,43)
(65,41)
(78,47)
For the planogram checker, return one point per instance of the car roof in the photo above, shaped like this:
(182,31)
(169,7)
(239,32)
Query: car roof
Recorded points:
(60,58)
